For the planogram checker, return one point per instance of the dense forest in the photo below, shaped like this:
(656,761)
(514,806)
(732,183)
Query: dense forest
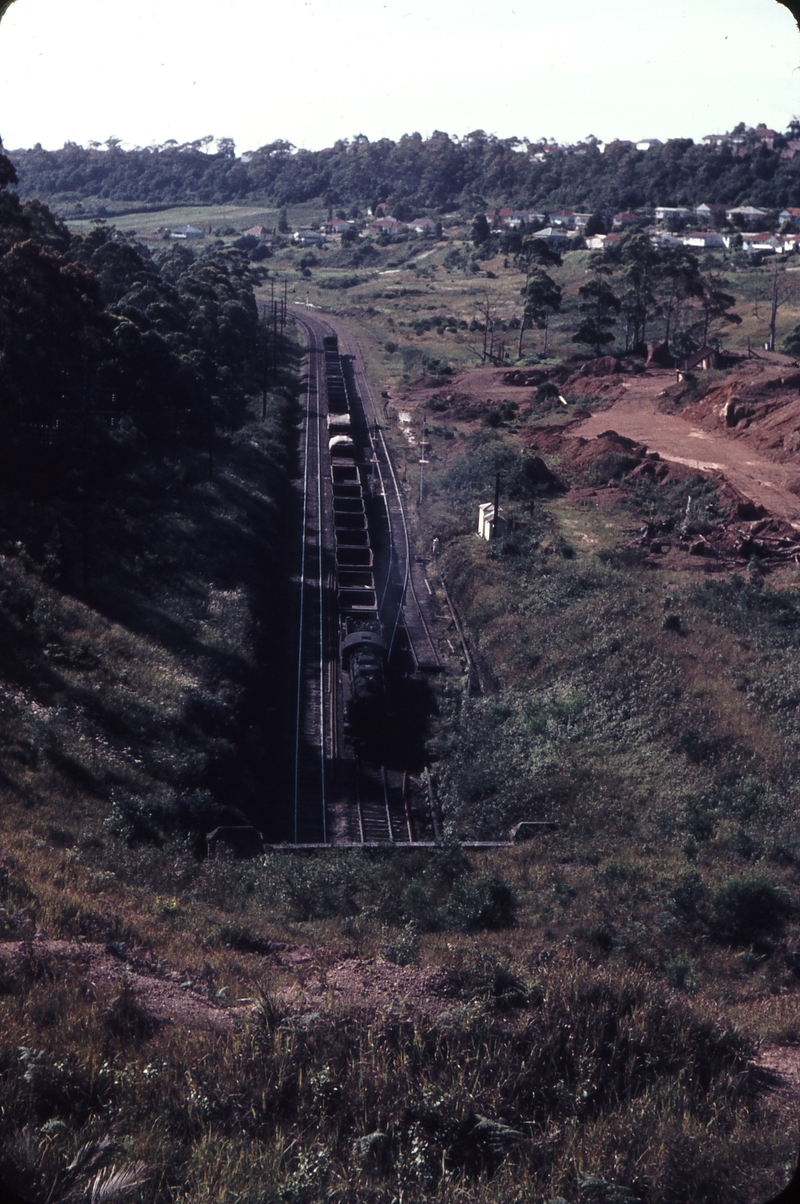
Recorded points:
(441,172)
(141,461)
(172,338)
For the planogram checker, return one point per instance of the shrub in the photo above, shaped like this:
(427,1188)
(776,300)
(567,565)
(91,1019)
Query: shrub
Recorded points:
(747,908)
(481,902)
(688,896)
(610,467)
(127,1018)
(678,973)
(340,282)
(404,951)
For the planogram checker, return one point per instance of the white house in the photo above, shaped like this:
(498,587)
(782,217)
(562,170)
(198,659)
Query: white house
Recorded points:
(308,238)
(709,239)
(563,217)
(664,213)
(423,225)
(555,237)
(598,242)
(747,213)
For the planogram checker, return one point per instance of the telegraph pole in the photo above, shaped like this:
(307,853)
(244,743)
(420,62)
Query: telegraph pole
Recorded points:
(496,517)
(423,446)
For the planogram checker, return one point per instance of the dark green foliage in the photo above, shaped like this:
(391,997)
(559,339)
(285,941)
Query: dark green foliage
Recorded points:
(471,478)
(665,502)
(599,306)
(137,387)
(688,897)
(768,616)
(748,908)
(481,902)
(791,344)
(340,281)
(414,173)
(480,230)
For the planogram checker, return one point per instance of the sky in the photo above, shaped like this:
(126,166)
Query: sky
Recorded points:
(313,71)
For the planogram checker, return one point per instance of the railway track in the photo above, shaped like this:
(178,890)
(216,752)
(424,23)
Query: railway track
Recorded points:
(338,797)
(314,717)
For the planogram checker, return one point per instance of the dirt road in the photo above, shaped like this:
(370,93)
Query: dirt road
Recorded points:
(751,471)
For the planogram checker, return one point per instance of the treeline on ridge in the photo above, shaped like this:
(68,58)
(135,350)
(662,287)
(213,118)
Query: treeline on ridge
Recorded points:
(440,172)
(161,347)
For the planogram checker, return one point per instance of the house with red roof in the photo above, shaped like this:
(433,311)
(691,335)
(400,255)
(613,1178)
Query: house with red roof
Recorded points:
(565,218)
(791,216)
(388,225)
(627,218)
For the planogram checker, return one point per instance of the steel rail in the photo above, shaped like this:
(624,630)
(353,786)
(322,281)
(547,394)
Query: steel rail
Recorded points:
(302,612)
(321,600)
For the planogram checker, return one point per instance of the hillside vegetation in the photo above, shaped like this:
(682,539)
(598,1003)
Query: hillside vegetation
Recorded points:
(440,173)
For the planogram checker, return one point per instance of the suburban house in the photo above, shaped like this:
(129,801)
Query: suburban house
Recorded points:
(627,218)
(305,237)
(745,213)
(762,243)
(423,225)
(564,218)
(598,242)
(498,217)
(388,225)
(705,238)
(624,143)
(665,213)
(259,231)
(555,236)
(764,136)
(711,213)
(790,216)
(338,227)
(582,220)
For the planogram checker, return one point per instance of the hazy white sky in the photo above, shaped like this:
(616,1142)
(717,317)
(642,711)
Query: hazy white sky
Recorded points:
(312,71)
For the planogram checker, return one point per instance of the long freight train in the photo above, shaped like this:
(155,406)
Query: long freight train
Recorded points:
(363,648)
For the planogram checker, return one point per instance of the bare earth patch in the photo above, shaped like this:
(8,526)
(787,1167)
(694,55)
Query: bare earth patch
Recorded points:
(377,985)
(163,992)
(784,1062)
(172,997)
